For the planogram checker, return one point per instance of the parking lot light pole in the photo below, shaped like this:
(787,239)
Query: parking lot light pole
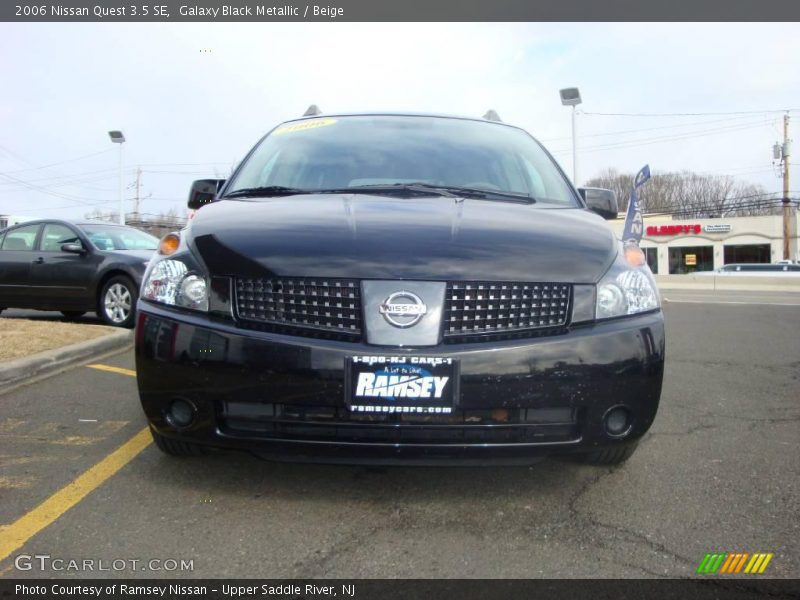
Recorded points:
(118,138)
(572,97)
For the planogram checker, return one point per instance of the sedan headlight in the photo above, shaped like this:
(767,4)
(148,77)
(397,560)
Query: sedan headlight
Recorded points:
(170,282)
(627,288)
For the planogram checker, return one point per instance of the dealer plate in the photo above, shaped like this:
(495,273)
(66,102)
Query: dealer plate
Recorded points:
(401,384)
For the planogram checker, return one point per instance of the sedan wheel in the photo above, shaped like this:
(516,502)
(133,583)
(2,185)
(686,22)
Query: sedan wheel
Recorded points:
(118,302)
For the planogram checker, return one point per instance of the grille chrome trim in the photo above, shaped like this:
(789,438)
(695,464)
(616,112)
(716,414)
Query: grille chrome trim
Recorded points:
(317,304)
(486,307)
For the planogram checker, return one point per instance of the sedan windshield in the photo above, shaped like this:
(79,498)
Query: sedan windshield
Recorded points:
(344,153)
(111,237)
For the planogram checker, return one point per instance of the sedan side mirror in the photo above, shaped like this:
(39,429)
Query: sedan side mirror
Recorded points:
(204,191)
(603,202)
(73,248)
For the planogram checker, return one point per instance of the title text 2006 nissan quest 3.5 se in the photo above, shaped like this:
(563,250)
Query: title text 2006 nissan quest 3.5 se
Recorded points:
(399,289)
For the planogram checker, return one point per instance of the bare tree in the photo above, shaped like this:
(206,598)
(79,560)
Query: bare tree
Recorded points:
(686,194)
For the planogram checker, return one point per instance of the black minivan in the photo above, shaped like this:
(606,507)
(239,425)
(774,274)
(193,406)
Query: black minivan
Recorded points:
(399,289)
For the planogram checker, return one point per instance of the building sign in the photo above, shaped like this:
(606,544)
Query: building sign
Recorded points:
(687,229)
(672,229)
(691,260)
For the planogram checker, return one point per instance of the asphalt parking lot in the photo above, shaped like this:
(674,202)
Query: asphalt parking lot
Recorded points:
(719,471)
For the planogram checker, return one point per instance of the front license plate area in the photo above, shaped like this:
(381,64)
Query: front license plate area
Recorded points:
(401,384)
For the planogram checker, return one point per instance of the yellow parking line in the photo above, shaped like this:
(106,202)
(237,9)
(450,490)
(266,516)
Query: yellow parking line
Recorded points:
(111,369)
(15,535)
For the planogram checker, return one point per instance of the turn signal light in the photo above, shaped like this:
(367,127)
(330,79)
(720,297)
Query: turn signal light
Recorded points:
(169,244)
(634,256)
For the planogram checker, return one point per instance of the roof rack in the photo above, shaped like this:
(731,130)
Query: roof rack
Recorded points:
(312,111)
(491,115)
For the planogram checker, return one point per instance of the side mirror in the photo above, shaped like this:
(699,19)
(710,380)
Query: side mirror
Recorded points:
(203,192)
(603,202)
(73,248)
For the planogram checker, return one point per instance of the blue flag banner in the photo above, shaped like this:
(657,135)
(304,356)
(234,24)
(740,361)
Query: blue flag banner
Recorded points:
(634,224)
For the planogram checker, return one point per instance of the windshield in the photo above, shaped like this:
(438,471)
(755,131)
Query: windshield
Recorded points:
(345,152)
(109,237)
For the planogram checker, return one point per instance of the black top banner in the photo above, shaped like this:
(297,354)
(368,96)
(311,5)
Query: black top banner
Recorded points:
(400,10)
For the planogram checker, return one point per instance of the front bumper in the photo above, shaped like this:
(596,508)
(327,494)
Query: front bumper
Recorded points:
(282,397)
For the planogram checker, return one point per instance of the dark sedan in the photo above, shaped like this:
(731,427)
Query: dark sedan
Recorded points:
(74,268)
(400,289)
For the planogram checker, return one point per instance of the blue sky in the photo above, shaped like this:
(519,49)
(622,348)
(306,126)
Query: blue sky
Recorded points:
(189,114)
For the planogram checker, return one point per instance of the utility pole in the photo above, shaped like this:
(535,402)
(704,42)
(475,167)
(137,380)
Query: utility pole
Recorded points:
(136,196)
(574,149)
(787,211)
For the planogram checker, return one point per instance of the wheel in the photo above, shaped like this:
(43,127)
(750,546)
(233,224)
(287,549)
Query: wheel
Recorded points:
(609,456)
(117,301)
(73,314)
(177,447)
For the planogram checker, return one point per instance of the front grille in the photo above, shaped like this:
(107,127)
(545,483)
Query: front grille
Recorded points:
(328,305)
(337,424)
(484,307)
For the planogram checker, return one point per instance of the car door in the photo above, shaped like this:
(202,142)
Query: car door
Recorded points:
(16,254)
(62,280)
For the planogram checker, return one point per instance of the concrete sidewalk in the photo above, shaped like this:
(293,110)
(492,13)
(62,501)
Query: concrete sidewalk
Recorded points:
(787,283)
(36,366)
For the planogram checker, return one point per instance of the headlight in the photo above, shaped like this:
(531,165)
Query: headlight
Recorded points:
(626,289)
(170,282)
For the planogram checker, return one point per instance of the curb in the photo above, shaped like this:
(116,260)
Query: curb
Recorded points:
(48,362)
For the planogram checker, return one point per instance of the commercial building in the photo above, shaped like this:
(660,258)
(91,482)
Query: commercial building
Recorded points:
(9,220)
(688,245)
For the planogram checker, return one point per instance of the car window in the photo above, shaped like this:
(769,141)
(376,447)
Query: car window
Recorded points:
(55,235)
(116,237)
(21,238)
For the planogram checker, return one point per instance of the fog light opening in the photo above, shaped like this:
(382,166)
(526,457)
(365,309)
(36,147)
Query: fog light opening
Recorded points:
(181,413)
(618,421)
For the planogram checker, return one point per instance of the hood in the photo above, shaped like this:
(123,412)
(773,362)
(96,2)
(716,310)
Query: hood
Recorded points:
(378,237)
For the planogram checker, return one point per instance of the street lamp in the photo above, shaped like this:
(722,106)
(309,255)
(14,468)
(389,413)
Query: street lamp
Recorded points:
(118,138)
(572,97)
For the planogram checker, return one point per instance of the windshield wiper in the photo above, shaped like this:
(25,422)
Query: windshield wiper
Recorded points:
(266,191)
(429,189)
(449,191)
(392,188)
(468,192)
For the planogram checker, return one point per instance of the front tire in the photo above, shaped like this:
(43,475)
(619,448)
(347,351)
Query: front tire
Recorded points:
(116,304)
(616,455)
(177,447)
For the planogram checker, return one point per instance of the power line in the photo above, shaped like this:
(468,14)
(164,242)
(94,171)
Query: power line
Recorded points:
(45,190)
(12,186)
(668,138)
(640,130)
(69,160)
(771,203)
(695,114)
(64,177)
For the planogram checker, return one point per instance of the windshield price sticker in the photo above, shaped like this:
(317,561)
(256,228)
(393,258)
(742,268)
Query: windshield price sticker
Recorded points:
(303,126)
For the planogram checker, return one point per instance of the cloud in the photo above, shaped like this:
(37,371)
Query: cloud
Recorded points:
(71,83)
